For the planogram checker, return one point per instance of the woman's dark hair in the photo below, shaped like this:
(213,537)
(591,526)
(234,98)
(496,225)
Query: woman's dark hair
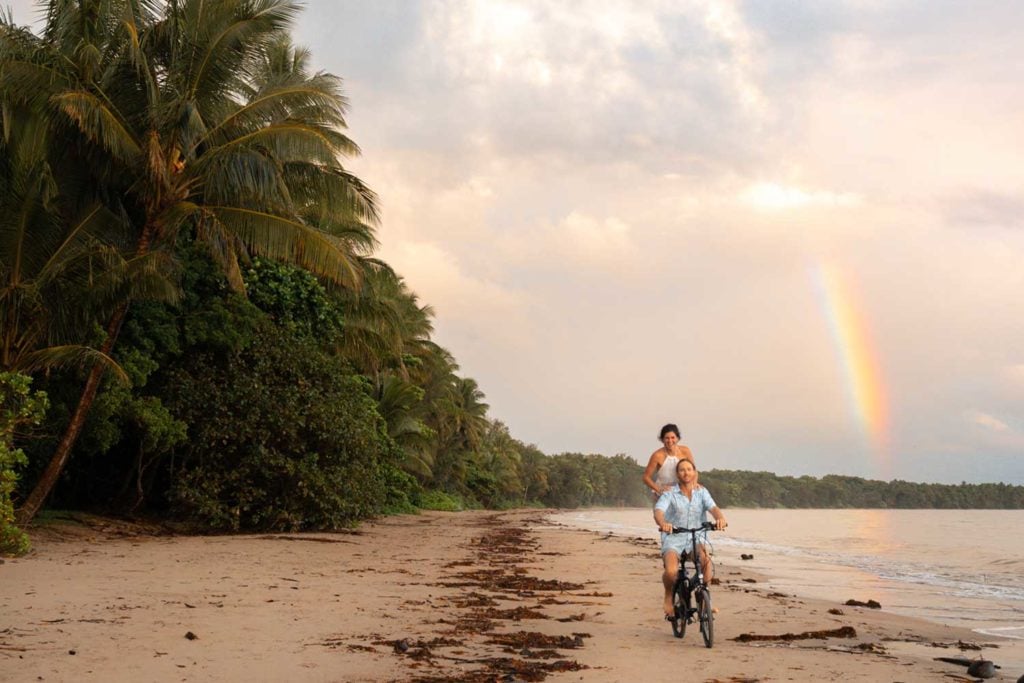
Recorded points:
(669,428)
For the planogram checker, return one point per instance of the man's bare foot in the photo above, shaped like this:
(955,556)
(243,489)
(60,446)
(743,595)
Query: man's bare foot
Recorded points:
(669,611)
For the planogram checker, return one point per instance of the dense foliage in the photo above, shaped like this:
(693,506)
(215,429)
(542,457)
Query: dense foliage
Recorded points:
(281,436)
(20,408)
(133,125)
(765,489)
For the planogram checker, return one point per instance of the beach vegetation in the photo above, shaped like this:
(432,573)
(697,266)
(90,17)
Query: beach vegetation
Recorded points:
(187,119)
(21,409)
(434,499)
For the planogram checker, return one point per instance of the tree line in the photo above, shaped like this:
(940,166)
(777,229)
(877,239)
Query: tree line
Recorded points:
(733,488)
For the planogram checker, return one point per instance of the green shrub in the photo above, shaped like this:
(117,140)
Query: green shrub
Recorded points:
(439,500)
(19,407)
(400,487)
(281,436)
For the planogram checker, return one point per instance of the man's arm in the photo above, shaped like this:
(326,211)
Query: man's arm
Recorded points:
(659,517)
(720,522)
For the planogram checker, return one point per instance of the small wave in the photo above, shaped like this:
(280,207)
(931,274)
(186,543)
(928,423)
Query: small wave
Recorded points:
(1008,562)
(1002,631)
(959,586)
(1001,583)
(1001,587)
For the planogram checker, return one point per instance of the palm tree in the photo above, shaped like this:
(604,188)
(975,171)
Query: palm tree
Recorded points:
(400,403)
(57,272)
(500,456)
(385,327)
(195,118)
(457,415)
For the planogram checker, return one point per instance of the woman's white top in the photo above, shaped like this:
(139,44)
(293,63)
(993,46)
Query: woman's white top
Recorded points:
(667,473)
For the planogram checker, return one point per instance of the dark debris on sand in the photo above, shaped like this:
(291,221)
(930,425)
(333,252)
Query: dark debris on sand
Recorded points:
(522,639)
(468,651)
(842,632)
(506,669)
(870,604)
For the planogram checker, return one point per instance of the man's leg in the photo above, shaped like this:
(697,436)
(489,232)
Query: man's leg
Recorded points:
(705,564)
(671,560)
(706,569)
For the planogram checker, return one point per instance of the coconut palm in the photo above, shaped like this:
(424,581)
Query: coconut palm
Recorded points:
(455,412)
(195,119)
(400,403)
(385,327)
(57,271)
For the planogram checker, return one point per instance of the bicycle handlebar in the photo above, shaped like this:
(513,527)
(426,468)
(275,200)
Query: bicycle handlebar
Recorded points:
(706,526)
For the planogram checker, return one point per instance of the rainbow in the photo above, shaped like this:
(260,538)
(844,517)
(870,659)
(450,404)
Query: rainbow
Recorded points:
(853,342)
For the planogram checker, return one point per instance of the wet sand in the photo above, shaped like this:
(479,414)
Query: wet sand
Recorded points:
(469,596)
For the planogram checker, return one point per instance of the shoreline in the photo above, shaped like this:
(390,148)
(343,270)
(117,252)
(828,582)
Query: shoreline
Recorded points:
(913,585)
(468,596)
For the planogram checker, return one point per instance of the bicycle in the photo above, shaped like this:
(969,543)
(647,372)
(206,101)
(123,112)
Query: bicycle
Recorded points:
(690,589)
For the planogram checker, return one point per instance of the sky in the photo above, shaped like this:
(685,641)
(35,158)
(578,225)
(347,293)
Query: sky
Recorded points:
(795,229)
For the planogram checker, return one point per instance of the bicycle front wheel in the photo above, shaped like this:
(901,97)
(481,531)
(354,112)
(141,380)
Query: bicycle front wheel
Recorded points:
(678,612)
(707,617)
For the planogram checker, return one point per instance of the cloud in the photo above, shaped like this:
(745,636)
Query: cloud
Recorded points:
(592,82)
(988,422)
(576,246)
(986,209)
(459,298)
(614,208)
(1015,375)
(601,240)
(773,196)
(999,437)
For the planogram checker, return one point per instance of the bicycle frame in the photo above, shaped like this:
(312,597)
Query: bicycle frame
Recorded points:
(691,586)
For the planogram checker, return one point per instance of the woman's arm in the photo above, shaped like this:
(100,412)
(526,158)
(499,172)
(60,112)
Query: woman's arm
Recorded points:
(652,465)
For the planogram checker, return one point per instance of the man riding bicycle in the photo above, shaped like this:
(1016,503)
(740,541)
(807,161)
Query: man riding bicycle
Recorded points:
(684,506)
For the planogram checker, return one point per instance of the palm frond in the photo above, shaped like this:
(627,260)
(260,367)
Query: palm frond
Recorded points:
(76,234)
(64,356)
(336,193)
(275,103)
(31,83)
(222,53)
(244,177)
(132,14)
(286,239)
(223,246)
(99,123)
(287,140)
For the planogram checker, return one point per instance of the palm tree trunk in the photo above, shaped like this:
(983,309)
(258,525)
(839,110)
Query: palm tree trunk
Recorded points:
(27,512)
(49,477)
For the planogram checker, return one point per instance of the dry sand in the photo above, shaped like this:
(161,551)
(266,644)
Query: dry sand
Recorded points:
(469,596)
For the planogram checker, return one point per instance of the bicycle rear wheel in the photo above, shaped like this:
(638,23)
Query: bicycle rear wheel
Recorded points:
(707,617)
(678,611)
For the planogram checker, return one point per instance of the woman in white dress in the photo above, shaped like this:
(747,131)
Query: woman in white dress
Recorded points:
(664,460)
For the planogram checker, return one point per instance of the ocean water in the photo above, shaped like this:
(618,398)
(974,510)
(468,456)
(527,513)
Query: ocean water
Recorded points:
(958,567)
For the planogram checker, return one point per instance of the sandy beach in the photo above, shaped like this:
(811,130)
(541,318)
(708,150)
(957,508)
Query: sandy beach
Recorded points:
(470,596)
